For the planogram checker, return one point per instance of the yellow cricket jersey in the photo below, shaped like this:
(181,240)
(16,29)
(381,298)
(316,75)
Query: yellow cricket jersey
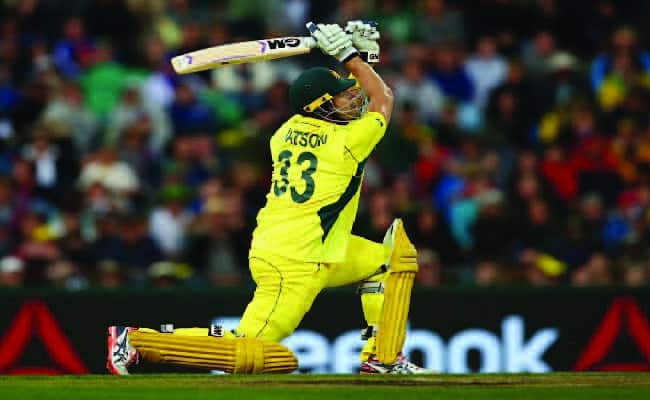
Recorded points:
(317,173)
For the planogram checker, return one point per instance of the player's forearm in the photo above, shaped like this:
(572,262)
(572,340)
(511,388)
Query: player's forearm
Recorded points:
(381,96)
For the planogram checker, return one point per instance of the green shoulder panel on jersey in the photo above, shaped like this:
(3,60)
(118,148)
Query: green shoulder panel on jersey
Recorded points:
(330,213)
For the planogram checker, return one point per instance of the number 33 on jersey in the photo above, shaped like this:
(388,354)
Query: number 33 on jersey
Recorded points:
(317,173)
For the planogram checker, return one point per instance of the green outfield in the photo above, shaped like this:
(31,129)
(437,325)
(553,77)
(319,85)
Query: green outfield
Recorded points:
(588,386)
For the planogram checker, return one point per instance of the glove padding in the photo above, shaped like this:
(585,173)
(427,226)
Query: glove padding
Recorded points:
(364,35)
(333,40)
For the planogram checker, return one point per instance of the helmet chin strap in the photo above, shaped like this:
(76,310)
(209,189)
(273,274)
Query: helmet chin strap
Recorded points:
(355,109)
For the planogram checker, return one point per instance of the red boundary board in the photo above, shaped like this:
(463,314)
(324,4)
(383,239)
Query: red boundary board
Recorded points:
(34,318)
(624,313)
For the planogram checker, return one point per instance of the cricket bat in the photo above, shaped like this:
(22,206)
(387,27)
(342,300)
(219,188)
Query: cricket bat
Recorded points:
(243,52)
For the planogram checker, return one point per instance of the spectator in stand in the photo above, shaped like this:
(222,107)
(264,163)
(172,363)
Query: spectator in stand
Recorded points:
(105,232)
(591,219)
(212,249)
(12,272)
(637,274)
(169,221)
(622,67)
(163,274)
(104,81)
(67,109)
(377,218)
(408,134)
(347,10)
(75,50)
(100,16)
(9,218)
(245,197)
(211,188)
(130,110)
(106,169)
(275,109)
(527,183)
(108,274)
(157,87)
(449,73)
(494,168)
(429,269)
(431,232)
(35,95)
(246,83)
(538,231)
(397,20)
(25,191)
(563,84)
(634,204)
(537,54)
(188,114)
(136,151)
(46,160)
(558,170)
(487,69)
(440,24)
(597,167)
(491,229)
(36,246)
(464,207)
(540,269)
(412,87)
(99,201)
(448,129)
(597,271)
(126,240)
(508,114)
(74,247)
(63,274)
(191,162)
(9,96)
(488,273)
(401,200)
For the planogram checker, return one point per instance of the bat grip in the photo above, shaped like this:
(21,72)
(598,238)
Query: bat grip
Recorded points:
(311,26)
(310,41)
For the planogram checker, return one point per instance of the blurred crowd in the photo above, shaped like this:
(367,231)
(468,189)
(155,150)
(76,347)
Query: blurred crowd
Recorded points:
(519,150)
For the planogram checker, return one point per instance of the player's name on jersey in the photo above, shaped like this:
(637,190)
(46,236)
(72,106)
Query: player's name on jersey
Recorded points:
(305,139)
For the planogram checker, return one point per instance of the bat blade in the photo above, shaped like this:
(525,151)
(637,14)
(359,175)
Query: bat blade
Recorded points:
(240,53)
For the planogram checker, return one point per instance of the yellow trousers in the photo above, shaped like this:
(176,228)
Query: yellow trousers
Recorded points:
(286,288)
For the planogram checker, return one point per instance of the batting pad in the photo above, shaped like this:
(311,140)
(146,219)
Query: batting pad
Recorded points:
(236,356)
(403,266)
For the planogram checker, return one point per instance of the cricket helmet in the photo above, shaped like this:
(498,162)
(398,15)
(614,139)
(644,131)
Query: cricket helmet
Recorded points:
(314,87)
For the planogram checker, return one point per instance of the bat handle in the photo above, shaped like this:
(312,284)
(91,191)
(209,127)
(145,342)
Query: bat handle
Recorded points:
(310,42)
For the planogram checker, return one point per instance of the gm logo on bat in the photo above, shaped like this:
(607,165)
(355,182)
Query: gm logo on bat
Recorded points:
(273,44)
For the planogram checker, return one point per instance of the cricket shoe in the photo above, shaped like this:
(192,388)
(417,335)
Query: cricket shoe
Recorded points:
(121,354)
(401,250)
(401,366)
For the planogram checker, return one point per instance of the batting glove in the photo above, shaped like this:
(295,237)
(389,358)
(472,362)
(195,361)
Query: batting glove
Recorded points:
(364,35)
(333,40)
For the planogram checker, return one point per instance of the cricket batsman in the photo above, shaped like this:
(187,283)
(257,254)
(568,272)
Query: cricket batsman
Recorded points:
(303,242)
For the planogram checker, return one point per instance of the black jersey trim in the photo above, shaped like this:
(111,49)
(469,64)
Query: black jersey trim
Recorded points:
(330,213)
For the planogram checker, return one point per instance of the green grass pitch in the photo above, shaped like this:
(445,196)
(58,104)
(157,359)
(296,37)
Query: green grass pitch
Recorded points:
(588,386)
